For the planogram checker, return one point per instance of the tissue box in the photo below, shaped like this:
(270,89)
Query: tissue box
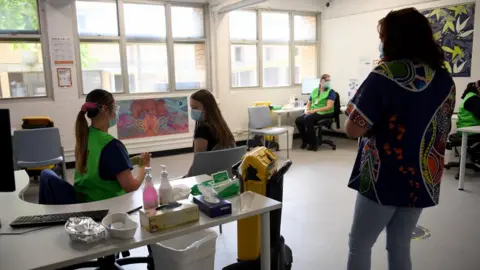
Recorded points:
(213,210)
(154,220)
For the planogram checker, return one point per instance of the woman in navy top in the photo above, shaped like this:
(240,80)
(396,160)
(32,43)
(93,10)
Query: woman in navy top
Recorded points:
(402,112)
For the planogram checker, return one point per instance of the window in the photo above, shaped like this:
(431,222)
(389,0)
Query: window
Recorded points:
(189,48)
(146,33)
(305,28)
(103,59)
(97,18)
(275,26)
(243,35)
(282,44)
(21,58)
(305,36)
(135,52)
(276,66)
(244,72)
(305,62)
(147,67)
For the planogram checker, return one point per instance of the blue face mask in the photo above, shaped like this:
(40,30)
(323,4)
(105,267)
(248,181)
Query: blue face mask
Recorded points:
(327,85)
(380,50)
(114,120)
(196,114)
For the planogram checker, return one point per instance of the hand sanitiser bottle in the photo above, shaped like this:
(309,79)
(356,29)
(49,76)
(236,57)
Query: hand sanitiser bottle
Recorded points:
(165,191)
(150,196)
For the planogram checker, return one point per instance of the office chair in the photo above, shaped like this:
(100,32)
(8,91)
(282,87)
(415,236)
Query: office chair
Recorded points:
(327,124)
(35,148)
(214,161)
(260,123)
(454,141)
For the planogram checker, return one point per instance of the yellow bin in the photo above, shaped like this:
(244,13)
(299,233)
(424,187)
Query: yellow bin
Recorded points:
(257,168)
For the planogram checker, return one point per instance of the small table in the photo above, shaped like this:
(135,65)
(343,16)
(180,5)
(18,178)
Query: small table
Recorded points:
(286,111)
(463,154)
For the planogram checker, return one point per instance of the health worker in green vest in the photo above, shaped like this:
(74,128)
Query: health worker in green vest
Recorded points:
(103,168)
(319,106)
(469,115)
(469,112)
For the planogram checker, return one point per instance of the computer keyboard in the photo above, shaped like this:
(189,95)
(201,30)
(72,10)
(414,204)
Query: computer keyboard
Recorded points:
(55,219)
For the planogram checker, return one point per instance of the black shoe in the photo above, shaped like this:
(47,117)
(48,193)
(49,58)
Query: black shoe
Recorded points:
(304,145)
(313,148)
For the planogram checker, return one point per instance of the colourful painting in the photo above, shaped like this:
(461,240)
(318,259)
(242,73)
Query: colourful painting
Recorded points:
(453,29)
(152,117)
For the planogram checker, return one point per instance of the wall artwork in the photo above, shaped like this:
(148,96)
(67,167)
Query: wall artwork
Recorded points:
(152,117)
(453,29)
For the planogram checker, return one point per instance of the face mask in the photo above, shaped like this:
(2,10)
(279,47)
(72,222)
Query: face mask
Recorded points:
(114,121)
(196,114)
(327,84)
(380,50)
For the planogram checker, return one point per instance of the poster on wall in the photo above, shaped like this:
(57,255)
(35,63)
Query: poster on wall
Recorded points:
(62,50)
(453,28)
(152,117)
(352,88)
(64,77)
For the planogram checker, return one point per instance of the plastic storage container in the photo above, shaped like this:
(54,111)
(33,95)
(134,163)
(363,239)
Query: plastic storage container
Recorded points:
(193,251)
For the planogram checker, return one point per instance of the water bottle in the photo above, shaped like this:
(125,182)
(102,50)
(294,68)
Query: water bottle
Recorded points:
(150,196)
(165,191)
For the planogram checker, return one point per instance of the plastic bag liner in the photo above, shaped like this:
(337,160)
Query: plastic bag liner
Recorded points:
(195,251)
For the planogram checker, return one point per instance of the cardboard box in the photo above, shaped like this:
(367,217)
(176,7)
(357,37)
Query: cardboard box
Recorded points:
(154,220)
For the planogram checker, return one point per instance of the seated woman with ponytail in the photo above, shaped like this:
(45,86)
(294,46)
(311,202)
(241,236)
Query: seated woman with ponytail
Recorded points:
(103,168)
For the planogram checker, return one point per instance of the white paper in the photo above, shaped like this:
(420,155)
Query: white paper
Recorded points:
(364,68)
(62,50)
(353,85)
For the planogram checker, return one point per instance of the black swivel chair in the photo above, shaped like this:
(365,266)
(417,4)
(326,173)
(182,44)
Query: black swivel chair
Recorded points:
(327,124)
(454,141)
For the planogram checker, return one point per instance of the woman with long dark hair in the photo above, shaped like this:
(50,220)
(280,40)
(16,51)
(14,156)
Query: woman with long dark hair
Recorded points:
(402,112)
(103,168)
(211,130)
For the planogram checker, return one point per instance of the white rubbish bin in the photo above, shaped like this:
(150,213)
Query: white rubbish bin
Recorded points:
(282,139)
(193,251)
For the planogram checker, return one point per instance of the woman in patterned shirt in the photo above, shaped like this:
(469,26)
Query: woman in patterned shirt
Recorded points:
(402,113)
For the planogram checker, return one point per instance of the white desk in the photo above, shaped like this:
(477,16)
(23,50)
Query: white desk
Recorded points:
(51,248)
(463,153)
(286,111)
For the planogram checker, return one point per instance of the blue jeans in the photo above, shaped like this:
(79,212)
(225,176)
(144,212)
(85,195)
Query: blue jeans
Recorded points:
(369,220)
(54,190)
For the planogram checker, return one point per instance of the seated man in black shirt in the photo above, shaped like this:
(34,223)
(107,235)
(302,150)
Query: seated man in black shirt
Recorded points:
(211,130)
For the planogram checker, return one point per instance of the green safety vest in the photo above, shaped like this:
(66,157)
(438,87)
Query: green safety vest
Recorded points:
(89,187)
(465,117)
(320,100)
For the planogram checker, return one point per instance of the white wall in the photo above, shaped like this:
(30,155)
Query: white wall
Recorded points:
(66,103)
(347,38)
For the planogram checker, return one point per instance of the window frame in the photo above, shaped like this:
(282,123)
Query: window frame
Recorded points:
(29,36)
(169,42)
(291,43)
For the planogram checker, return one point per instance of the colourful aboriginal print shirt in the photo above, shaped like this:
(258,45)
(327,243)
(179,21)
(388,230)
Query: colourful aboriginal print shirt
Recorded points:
(407,109)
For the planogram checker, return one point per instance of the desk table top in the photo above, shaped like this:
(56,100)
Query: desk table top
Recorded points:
(51,248)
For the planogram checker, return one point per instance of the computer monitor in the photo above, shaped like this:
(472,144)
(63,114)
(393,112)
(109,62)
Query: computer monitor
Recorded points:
(309,84)
(7,177)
